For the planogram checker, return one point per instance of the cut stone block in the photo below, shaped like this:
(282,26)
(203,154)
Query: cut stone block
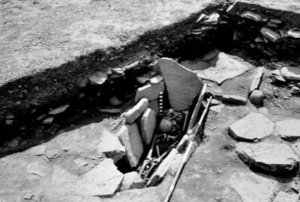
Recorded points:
(234,99)
(132,180)
(111,146)
(278,158)
(254,126)
(150,91)
(182,84)
(132,114)
(132,141)
(288,129)
(148,124)
(251,187)
(285,197)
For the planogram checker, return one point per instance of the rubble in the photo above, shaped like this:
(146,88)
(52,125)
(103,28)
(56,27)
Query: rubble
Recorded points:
(182,84)
(148,124)
(150,91)
(285,197)
(132,114)
(98,78)
(288,129)
(58,110)
(131,139)
(276,158)
(132,180)
(255,126)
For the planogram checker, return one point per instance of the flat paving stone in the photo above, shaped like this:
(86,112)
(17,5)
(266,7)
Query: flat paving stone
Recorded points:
(288,129)
(270,157)
(255,126)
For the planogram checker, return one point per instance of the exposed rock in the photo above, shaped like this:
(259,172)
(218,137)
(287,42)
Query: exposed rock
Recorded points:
(80,163)
(98,78)
(182,84)
(257,79)
(150,91)
(288,129)
(148,124)
(269,157)
(52,154)
(251,187)
(285,197)
(103,180)
(257,98)
(131,139)
(142,79)
(132,180)
(132,114)
(278,76)
(224,67)
(37,150)
(36,169)
(254,126)
(58,110)
(110,111)
(111,146)
(234,99)
(157,79)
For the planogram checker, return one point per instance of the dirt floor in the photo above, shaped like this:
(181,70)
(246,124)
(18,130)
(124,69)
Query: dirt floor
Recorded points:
(39,35)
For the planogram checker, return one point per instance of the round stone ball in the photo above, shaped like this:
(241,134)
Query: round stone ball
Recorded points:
(257,97)
(165,125)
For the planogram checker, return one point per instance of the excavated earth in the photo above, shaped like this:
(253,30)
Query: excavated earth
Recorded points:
(48,52)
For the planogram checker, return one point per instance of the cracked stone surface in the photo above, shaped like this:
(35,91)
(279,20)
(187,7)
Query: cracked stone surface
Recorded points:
(273,157)
(254,126)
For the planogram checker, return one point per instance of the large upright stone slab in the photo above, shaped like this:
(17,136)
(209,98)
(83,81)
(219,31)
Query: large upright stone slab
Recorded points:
(182,84)
(103,180)
(252,188)
(132,141)
(288,129)
(270,157)
(254,126)
(148,124)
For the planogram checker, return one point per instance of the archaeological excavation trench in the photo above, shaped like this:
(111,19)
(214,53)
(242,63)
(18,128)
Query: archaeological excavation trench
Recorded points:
(227,81)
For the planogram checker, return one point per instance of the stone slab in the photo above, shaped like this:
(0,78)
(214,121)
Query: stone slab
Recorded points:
(132,114)
(182,84)
(288,129)
(271,157)
(150,91)
(254,126)
(148,124)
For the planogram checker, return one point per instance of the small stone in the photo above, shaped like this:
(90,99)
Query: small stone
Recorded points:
(131,139)
(98,78)
(254,126)
(157,79)
(182,84)
(278,76)
(132,180)
(52,154)
(9,116)
(48,120)
(234,99)
(118,71)
(132,114)
(28,196)
(142,79)
(252,188)
(214,102)
(13,144)
(9,122)
(257,98)
(288,129)
(290,76)
(58,110)
(80,163)
(148,124)
(114,101)
(295,90)
(277,158)
(285,197)
(150,91)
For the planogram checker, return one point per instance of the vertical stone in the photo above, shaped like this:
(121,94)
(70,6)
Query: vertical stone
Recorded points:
(150,91)
(130,138)
(148,123)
